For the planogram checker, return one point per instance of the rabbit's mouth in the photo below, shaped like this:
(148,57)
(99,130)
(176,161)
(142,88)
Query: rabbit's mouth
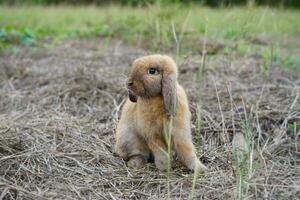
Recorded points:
(132,95)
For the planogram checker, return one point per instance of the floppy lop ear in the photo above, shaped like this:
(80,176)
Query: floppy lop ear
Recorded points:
(132,97)
(169,93)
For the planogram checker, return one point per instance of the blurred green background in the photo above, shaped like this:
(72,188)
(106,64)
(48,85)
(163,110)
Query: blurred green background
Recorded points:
(161,25)
(292,3)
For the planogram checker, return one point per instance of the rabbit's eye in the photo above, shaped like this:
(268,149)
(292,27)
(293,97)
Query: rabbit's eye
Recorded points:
(152,71)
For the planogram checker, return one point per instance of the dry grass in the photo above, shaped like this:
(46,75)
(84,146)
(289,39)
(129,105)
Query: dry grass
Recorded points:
(59,108)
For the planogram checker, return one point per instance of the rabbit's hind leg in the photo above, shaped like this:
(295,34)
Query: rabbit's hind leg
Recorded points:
(131,147)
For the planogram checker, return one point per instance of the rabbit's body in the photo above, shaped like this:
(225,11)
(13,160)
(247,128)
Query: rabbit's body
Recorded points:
(140,131)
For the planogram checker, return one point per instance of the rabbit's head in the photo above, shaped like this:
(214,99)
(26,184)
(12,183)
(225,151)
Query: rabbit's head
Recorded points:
(151,76)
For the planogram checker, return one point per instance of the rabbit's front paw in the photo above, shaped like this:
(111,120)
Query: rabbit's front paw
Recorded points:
(161,162)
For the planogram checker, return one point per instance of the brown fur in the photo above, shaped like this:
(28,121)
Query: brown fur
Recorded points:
(154,98)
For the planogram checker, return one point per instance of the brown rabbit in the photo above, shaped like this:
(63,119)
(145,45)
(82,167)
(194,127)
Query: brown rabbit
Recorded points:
(155,97)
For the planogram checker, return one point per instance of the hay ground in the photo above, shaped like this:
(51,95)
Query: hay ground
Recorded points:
(59,108)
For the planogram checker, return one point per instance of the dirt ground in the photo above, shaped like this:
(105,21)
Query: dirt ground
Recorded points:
(59,108)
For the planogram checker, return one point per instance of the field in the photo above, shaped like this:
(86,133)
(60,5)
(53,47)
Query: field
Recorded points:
(62,85)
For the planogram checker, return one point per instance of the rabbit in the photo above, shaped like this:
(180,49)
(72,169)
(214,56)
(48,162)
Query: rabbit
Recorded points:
(154,98)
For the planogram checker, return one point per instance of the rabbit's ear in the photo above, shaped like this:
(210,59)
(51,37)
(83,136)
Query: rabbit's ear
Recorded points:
(132,97)
(169,93)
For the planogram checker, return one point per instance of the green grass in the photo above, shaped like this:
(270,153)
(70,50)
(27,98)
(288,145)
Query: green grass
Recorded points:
(243,165)
(153,25)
